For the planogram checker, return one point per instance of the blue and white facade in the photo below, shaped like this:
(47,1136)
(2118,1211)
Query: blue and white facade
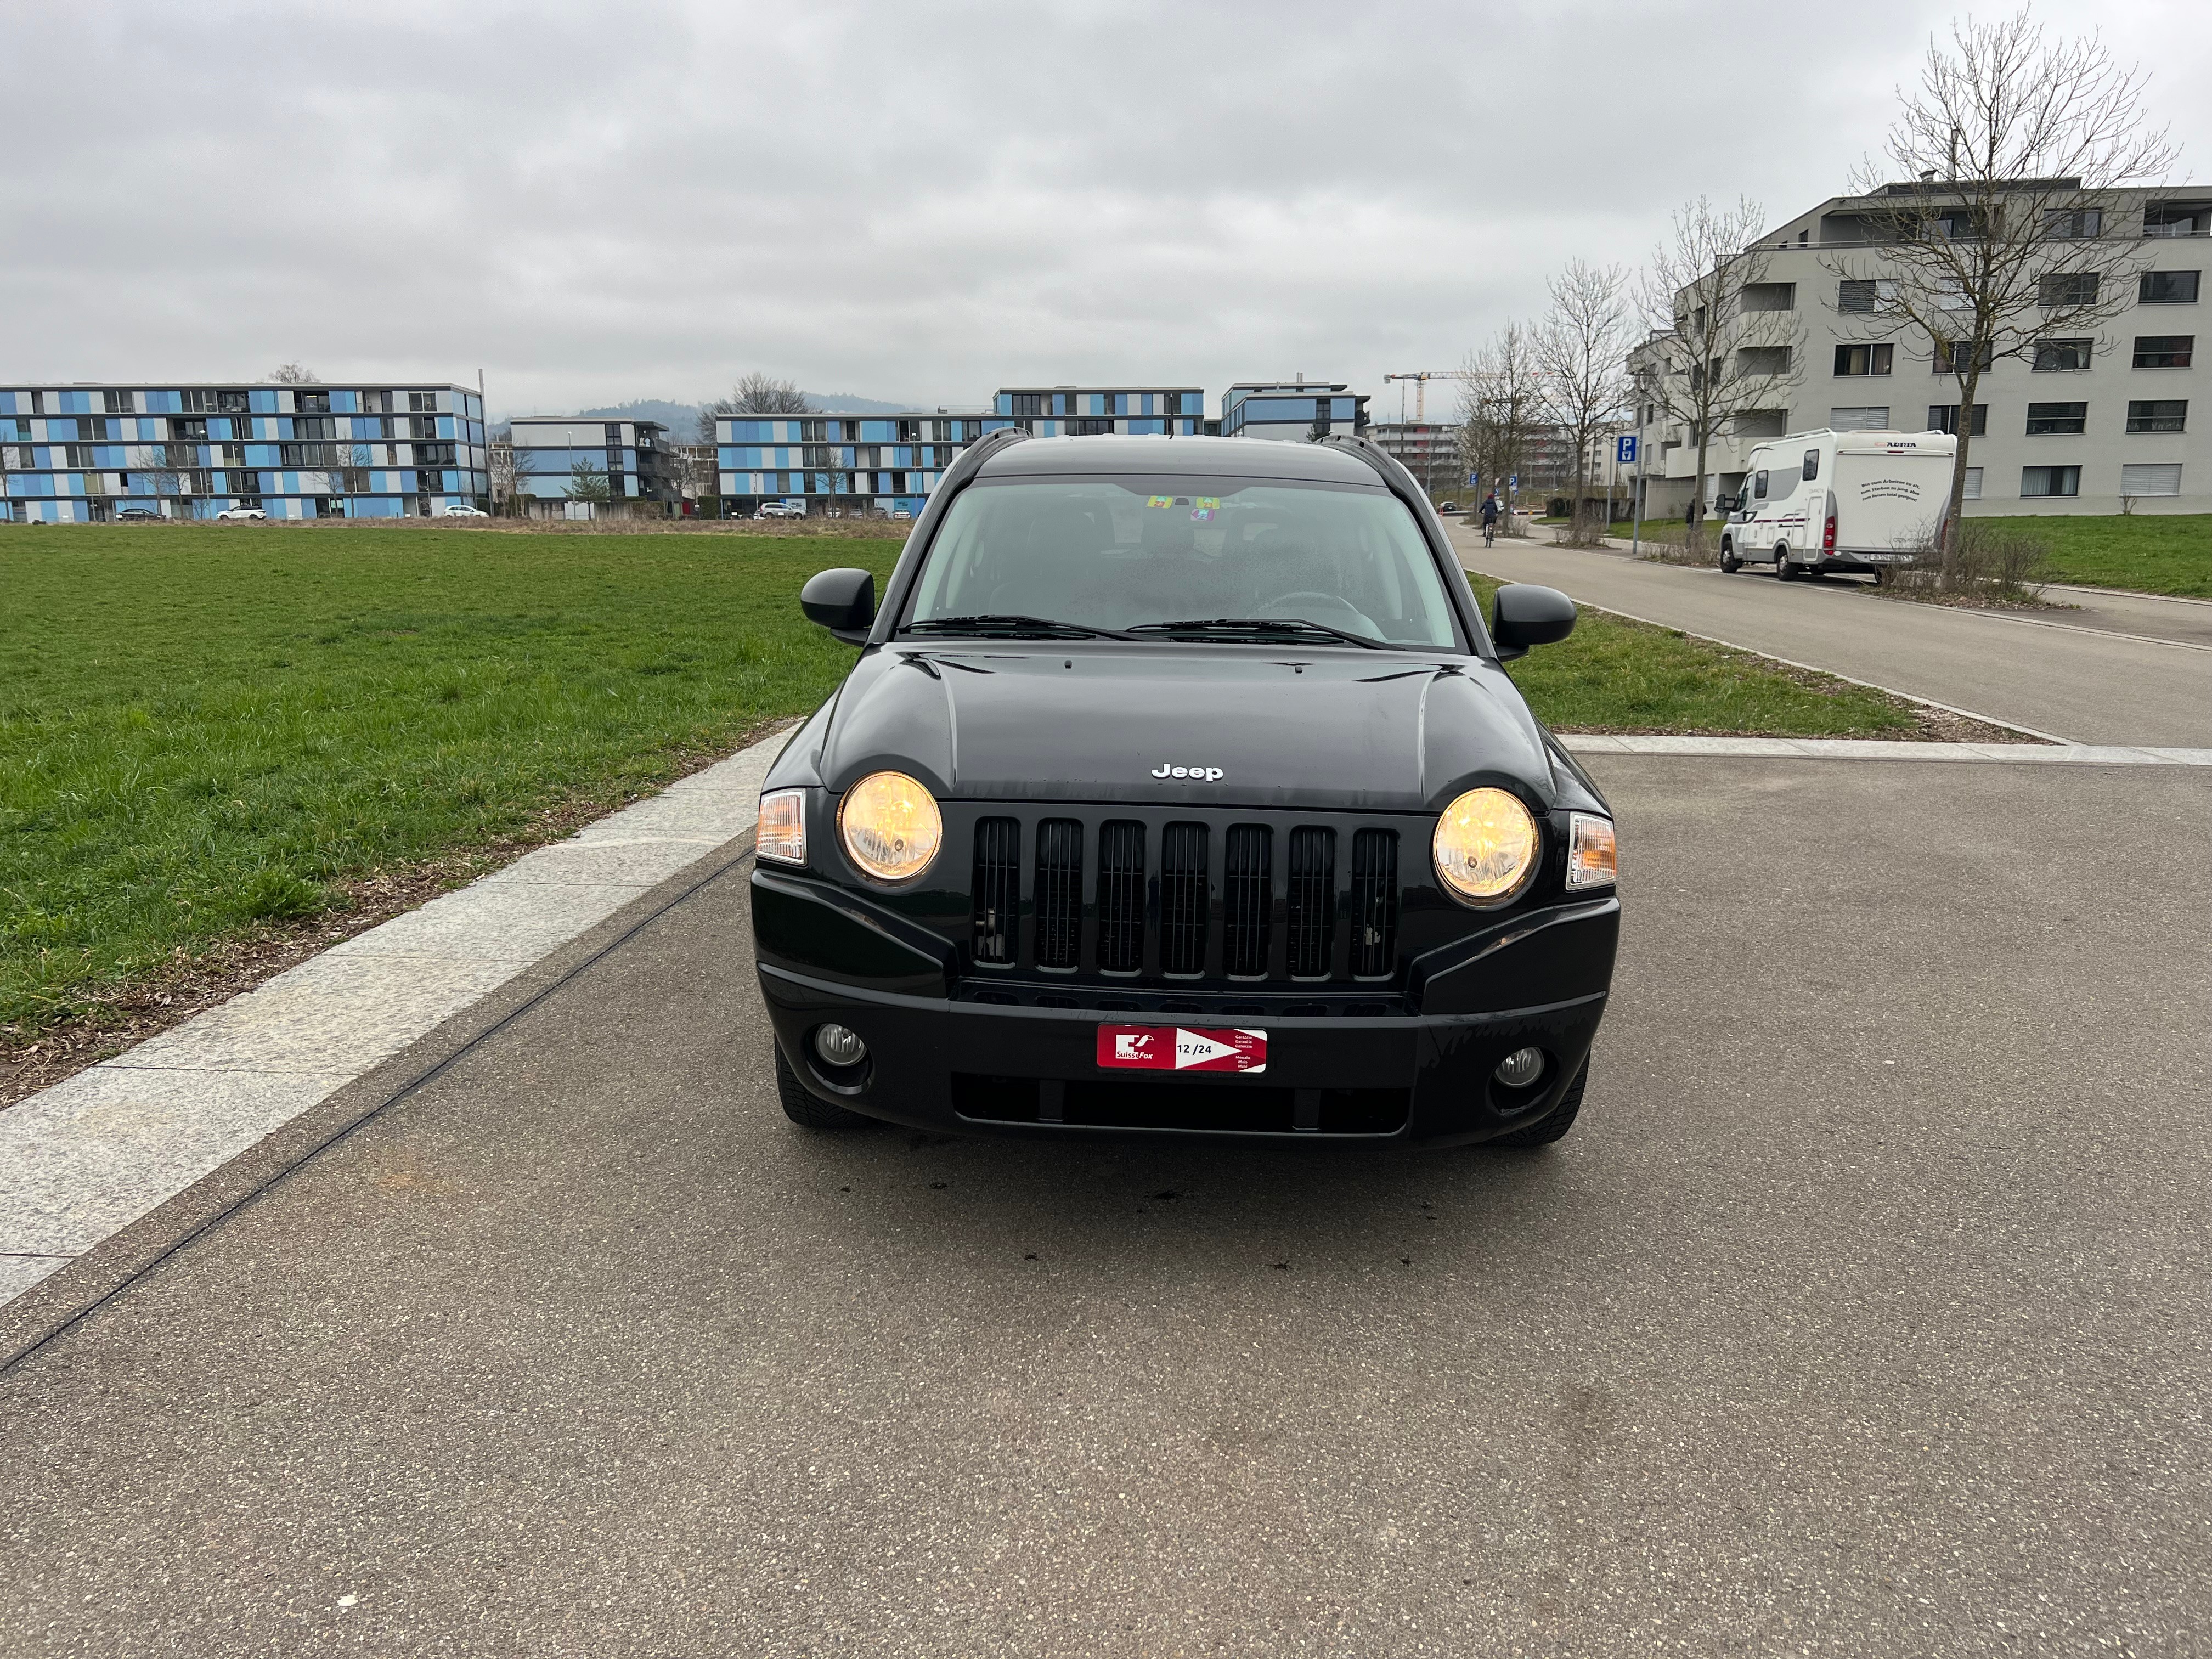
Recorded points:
(1074,411)
(90,453)
(1294,410)
(838,463)
(633,455)
(891,462)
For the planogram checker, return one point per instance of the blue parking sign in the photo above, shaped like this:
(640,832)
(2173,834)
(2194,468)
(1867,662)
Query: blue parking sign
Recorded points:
(1472,479)
(1625,450)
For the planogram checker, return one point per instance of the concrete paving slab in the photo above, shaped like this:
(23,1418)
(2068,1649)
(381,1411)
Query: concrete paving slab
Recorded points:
(85,1158)
(18,1273)
(494,921)
(634,863)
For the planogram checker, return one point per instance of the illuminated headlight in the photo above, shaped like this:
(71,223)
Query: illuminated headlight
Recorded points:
(1485,848)
(783,834)
(1592,857)
(890,826)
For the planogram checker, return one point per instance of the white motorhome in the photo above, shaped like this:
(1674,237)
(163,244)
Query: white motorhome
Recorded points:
(1815,502)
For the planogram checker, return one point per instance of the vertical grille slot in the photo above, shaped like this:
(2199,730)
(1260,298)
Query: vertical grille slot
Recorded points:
(1246,899)
(1312,900)
(1121,896)
(997,888)
(1183,899)
(1059,892)
(1374,901)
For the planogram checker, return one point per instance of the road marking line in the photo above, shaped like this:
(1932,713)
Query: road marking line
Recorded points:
(87,1158)
(2040,754)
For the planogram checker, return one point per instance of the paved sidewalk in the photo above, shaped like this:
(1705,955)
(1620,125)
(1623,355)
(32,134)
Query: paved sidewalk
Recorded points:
(2081,685)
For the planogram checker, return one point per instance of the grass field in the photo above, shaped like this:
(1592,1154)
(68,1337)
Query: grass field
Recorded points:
(1614,675)
(2151,553)
(205,729)
(208,733)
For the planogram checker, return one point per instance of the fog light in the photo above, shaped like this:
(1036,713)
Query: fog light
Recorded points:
(1517,1070)
(840,1047)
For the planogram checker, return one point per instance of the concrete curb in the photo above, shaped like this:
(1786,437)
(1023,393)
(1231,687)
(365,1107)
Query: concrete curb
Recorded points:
(86,1158)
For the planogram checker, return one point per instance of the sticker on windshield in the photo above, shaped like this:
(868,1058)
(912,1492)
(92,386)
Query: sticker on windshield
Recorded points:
(1209,503)
(1160,501)
(1201,512)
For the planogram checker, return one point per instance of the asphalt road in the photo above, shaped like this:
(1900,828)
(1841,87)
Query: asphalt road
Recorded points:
(1864,1313)
(2082,681)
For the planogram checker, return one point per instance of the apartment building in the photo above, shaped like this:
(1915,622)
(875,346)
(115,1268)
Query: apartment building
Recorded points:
(92,452)
(1074,411)
(552,452)
(840,463)
(2084,424)
(1430,450)
(1292,409)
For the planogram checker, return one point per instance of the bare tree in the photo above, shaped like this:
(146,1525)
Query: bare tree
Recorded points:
(1500,403)
(1581,347)
(295,374)
(158,470)
(1724,341)
(1996,245)
(511,469)
(755,394)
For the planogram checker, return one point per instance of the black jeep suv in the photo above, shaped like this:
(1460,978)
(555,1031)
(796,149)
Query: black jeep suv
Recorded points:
(1180,787)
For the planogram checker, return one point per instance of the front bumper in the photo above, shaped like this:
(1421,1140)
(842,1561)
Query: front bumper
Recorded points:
(1414,1067)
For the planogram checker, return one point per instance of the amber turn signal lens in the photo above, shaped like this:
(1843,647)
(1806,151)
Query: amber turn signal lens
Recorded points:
(1486,846)
(890,826)
(1592,857)
(783,834)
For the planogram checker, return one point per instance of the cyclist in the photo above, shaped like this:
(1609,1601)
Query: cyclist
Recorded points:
(1490,520)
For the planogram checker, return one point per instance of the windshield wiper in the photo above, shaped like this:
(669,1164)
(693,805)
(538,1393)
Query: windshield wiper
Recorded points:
(1012,627)
(1263,625)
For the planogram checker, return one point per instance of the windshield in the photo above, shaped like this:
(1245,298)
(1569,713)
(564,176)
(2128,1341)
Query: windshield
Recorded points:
(1122,553)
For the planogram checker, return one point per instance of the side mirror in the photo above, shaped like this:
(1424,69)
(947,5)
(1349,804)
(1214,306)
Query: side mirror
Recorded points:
(842,601)
(1524,614)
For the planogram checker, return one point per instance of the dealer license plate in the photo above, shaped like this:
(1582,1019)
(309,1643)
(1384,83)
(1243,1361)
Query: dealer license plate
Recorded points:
(1180,1049)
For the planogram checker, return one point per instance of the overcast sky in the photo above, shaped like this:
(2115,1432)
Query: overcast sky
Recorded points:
(595,203)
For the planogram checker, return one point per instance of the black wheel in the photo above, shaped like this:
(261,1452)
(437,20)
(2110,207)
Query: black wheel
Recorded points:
(1729,562)
(1783,570)
(1553,1127)
(804,1109)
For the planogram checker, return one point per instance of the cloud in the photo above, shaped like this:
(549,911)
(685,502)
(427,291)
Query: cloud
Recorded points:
(594,202)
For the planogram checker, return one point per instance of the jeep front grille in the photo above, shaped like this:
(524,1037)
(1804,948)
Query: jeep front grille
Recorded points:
(1099,900)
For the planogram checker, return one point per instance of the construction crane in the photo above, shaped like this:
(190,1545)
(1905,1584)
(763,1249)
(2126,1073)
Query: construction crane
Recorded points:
(1420,378)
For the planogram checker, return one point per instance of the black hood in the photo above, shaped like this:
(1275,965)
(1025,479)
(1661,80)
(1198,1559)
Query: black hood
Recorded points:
(1251,725)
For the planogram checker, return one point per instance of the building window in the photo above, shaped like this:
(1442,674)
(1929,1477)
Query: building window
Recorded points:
(423,403)
(1760,423)
(2155,478)
(1769,296)
(374,403)
(2165,415)
(2165,350)
(1952,356)
(1944,417)
(2067,288)
(1960,224)
(1866,297)
(2049,481)
(1763,360)
(1973,489)
(2048,420)
(1029,405)
(311,403)
(1871,418)
(2172,219)
(2073,224)
(1855,360)
(2062,356)
(121,403)
(2169,288)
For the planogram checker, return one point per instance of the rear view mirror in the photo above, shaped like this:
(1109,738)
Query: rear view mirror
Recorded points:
(1524,614)
(842,601)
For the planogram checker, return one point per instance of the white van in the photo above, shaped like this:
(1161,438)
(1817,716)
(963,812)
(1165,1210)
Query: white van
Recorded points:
(1815,502)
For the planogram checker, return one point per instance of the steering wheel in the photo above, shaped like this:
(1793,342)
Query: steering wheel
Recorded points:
(1333,600)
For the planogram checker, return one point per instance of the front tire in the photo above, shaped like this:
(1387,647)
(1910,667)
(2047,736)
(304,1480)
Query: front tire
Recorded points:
(803,1109)
(1557,1125)
(1783,570)
(1729,564)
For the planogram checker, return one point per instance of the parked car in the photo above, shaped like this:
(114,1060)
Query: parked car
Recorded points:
(902,513)
(237,513)
(1245,831)
(464,512)
(1447,507)
(136,513)
(779,510)
(1822,501)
